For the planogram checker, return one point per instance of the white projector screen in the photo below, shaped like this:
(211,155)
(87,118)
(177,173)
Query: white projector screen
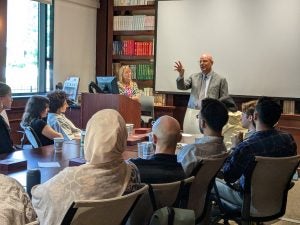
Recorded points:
(255,44)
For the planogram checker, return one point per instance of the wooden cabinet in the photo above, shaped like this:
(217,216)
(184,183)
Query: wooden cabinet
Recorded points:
(291,124)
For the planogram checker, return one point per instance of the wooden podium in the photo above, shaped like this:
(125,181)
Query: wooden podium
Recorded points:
(129,109)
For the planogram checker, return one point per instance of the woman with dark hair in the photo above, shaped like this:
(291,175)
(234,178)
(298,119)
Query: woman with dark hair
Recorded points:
(6,144)
(56,117)
(35,112)
(105,175)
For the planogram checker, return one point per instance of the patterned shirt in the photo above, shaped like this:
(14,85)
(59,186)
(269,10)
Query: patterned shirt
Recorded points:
(270,143)
(129,90)
(15,204)
(61,124)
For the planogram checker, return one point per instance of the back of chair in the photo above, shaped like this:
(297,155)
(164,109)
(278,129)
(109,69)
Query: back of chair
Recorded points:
(32,137)
(114,211)
(147,108)
(158,196)
(200,189)
(268,187)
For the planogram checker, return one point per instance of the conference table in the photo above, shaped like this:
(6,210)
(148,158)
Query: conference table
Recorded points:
(35,156)
(71,150)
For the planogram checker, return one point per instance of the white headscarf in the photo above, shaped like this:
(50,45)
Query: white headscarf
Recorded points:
(106,174)
(106,137)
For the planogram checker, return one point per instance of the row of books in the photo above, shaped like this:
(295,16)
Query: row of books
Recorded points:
(159,99)
(142,71)
(132,47)
(133,2)
(133,23)
(148,91)
(288,107)
(139,71)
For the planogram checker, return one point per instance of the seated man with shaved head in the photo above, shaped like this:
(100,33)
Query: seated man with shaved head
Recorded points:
(162,167)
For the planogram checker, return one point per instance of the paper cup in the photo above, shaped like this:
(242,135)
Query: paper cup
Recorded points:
(58,144)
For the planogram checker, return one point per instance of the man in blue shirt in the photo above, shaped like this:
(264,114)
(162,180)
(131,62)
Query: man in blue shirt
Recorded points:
(162,167)
(266,141)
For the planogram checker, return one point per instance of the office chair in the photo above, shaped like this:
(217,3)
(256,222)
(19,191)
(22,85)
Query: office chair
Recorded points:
(158,196)
(113,211)
(32,137)
(265,194)
(199,192)
(147,109)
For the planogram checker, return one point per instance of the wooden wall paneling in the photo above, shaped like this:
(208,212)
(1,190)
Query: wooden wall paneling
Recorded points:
(74,114)
(15,117)
(101,38)
(109,43)
(291,124)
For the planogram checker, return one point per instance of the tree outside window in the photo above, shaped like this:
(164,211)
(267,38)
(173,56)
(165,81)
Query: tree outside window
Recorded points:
(29,46)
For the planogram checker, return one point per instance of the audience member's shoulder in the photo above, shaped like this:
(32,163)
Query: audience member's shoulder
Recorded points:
(134,162)
(184,151)
(284,133)
(38,122)
(9,181)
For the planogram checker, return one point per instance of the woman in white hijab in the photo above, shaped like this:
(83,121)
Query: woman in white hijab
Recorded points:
(105,175)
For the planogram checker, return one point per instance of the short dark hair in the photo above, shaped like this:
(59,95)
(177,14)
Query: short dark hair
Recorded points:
(268,111)
(229,103)
(4,89)
(35,106)
(57,99)
(214,113)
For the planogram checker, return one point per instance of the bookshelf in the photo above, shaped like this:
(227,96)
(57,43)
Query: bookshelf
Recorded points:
(125,36)
(130,39)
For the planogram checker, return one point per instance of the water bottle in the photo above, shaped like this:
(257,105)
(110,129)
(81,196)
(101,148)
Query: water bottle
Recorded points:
(33,177)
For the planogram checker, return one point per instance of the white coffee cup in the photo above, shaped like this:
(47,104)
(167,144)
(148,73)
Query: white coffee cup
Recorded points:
(129,127)
(82,136)
(58,144)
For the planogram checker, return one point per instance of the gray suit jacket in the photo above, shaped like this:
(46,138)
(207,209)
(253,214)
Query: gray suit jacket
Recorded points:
(217,88)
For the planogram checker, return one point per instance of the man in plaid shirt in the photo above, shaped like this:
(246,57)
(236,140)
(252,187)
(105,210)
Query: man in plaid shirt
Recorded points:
(266,141)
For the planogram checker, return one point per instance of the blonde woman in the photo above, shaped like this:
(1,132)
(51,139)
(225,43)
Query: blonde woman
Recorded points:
(126,85)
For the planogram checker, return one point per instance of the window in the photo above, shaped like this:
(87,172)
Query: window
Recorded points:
(29,52)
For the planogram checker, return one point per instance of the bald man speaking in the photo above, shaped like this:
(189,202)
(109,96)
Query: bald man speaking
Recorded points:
(205,84)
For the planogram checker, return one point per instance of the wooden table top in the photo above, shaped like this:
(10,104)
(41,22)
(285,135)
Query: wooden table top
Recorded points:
(71,150)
